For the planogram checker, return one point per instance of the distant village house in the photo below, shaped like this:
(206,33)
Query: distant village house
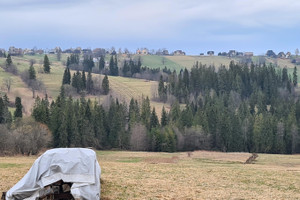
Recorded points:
(144,51)
(179,53)
(210,53)
(281,55)
(248,54)
(15,51)
(232,53)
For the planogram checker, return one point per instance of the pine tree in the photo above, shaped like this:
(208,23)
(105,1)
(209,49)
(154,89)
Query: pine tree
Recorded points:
(105,85)
(8,61)
(46,64)
(18,112)
(32,74)
(295,77)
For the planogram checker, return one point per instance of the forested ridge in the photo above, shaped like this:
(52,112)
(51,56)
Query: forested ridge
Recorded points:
(243,108)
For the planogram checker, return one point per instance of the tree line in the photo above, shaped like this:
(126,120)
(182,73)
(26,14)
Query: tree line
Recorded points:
(241,108)
(85,83)
(127,68)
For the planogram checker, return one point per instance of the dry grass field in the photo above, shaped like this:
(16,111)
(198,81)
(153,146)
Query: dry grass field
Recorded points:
(126,88)
(202,175)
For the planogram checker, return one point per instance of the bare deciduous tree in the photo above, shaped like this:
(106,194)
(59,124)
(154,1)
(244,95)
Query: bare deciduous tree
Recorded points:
(138,138)
(32,62)
(28,137)
(7,83)
(163,60)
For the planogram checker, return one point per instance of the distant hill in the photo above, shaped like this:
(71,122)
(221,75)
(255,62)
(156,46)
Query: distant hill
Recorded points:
(122,88)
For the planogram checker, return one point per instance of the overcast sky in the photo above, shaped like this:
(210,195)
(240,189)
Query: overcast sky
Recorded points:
(194,26)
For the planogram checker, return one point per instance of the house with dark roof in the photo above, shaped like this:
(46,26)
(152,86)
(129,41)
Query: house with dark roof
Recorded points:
(210,53)
(179,53)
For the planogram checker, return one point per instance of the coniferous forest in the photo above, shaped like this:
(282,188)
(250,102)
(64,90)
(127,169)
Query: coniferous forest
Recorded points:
(246,107)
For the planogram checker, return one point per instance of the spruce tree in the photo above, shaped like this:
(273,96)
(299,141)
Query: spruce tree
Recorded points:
(139,65)
(161,90)
(89,83)
(146,112)
(83,78)
(5,114)
(67,76)
(126,69)
(8,61)
(105,85)
(2,120)
(132,114)
(153,119)
(295,77)
(116,69)
(164,117)
(68,61)
(77,81)
(58,55)
(46,64)
(111,65)
(32,73)
(62,131)
(101,63)
(18,112)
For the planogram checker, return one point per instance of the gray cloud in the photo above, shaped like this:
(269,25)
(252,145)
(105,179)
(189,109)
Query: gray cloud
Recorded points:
(150,19)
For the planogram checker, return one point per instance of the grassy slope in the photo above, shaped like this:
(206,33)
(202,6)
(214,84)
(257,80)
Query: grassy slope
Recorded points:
(122,88)
(126,88)
(181,62)
(18,89)
(189,61)
(154,61)
(204,175)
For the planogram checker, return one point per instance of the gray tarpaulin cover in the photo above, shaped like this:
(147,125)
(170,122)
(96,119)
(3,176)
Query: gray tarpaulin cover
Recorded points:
(76,165)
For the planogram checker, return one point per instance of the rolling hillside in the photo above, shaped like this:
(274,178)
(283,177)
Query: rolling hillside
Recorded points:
(122,88)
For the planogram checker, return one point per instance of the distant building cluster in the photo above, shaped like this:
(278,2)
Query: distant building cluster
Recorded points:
(272,54)
(230,53)
(98,52)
